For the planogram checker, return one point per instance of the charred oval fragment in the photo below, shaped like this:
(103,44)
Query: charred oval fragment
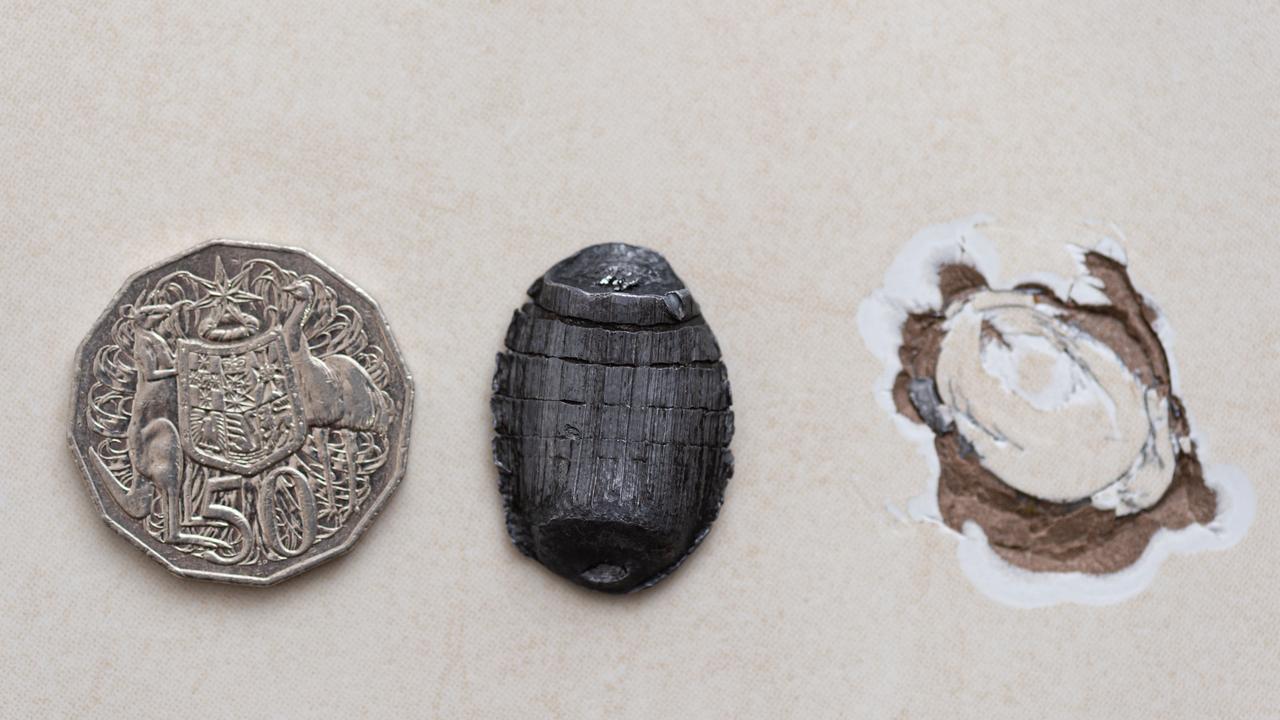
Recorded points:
(613,419)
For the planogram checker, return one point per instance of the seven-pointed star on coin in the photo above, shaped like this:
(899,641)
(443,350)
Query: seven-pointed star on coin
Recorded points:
(241,412)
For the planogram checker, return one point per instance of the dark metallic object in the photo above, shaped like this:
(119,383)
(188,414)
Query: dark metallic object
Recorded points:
(613,421)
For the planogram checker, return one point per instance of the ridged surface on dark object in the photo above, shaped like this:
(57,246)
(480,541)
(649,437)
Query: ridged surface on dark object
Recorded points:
(613,418)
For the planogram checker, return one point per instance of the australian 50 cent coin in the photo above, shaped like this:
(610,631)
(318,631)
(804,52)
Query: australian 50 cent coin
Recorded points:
(241,412)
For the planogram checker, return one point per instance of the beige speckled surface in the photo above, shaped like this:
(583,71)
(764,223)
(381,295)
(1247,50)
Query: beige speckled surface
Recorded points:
(443,157)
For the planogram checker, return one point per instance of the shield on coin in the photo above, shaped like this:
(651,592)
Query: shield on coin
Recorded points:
(238,403)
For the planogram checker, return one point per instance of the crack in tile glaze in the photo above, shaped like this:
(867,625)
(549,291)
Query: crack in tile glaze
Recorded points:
(1061,455)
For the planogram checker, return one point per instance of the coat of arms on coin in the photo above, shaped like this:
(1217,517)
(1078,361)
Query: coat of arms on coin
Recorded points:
(241,412)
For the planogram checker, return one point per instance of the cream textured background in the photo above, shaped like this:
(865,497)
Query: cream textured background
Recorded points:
(443,156)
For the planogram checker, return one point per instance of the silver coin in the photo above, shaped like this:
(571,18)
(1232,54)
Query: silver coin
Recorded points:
(241,412)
